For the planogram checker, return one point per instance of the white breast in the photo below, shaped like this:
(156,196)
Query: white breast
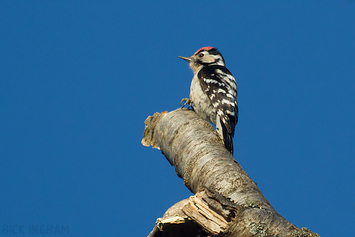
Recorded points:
(202,105)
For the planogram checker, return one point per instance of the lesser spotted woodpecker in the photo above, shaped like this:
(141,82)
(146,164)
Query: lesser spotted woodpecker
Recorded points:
(213,92)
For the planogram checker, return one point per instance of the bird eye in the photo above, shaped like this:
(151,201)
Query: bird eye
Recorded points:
(201,55)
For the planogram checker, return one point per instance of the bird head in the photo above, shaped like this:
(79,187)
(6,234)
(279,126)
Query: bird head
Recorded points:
(205,56)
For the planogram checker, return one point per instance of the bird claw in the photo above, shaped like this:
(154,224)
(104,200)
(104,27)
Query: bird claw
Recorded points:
(186,101)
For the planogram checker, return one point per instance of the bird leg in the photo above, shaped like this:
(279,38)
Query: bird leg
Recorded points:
(186,101)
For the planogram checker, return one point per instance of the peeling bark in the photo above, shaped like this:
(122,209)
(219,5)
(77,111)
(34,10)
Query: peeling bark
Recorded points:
(227,202)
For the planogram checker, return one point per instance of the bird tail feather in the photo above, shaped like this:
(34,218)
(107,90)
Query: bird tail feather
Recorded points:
(224,134)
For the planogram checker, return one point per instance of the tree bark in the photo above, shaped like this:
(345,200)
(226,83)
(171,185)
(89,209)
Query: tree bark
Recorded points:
(227,202)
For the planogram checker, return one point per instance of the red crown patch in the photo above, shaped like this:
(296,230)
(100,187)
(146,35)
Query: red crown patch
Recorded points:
(205,49)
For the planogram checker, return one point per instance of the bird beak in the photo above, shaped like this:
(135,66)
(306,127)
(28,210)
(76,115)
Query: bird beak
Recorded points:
(188,59)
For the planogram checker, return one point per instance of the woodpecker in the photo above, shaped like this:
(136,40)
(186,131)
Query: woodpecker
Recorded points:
(213,92)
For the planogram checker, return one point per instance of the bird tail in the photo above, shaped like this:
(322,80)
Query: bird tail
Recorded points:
(224,134)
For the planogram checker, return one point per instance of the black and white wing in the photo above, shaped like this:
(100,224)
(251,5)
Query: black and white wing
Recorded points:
(221,88)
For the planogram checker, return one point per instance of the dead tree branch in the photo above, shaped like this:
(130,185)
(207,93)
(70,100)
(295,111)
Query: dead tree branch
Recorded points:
(226,201)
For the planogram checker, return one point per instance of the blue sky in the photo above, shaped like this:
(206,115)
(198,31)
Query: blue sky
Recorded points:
(78,79)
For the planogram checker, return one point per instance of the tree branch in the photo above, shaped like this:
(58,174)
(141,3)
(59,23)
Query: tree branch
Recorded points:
(227,201)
